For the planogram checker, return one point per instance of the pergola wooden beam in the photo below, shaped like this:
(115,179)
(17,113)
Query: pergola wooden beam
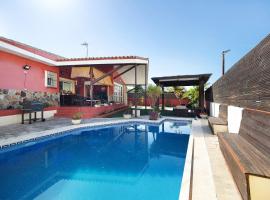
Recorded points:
(92,82)
(127,70)
(107,74)
(184,80)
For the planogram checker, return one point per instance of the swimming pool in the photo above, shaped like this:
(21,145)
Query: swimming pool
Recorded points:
(125,161)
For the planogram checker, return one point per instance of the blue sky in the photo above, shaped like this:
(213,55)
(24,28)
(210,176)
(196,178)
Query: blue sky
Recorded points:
(179,37)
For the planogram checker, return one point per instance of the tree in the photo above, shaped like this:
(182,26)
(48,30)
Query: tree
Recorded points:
(193,95)
(153,92)
(177,90)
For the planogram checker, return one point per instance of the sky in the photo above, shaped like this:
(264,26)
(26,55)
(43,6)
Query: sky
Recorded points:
(178,36)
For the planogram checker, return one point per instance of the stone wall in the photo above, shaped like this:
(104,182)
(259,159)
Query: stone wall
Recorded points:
(12,99)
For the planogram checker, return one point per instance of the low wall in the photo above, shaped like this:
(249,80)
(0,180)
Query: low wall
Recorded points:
(88,112)
(167,102)
(8,117)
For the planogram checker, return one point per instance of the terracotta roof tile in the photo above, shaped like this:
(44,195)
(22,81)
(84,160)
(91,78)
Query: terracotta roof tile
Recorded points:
(102,58)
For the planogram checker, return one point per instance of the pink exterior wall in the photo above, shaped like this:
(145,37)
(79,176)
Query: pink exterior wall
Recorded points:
(12,74)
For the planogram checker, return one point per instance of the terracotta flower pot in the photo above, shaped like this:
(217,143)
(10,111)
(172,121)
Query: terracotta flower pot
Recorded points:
(153,115)
(127,116)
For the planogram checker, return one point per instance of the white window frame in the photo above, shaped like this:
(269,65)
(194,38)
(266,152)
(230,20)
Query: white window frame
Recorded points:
(55,79)
(71,82)
(118,93)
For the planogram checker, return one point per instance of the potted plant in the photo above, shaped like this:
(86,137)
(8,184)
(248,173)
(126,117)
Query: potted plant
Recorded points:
(154,114)
(127,114)
(76,118)
(153,93)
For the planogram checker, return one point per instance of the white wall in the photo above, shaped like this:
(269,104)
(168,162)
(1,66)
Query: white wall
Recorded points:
(234,118)
(16,119)
(214,109)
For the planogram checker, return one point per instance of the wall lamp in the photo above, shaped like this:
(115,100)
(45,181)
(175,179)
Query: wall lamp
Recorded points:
(26,67)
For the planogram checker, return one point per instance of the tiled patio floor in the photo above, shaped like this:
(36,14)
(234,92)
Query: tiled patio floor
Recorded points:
(15,130)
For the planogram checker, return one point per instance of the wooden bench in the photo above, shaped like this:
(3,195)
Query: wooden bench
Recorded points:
(220,123)
(248,154)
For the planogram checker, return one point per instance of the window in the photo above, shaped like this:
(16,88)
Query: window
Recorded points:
(66,86)
(118,93)
(50,79)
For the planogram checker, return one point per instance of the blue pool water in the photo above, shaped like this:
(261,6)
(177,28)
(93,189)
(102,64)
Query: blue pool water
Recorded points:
(120,162)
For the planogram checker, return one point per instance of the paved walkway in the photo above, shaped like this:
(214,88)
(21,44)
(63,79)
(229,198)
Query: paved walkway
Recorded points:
(211,176)
(15,130)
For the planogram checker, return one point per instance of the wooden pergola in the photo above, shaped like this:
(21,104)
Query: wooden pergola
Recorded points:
(183,80)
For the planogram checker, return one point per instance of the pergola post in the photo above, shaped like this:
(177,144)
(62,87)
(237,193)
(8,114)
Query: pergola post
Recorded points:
(162,96)
(91,86)
(201,95)
(145,87)
(136,96)
(157,102)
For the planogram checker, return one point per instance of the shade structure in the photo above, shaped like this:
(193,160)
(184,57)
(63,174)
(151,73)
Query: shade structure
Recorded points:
(184,80)
(129,76)
(83,72)
(181,80)
(129,70)
(105,81)
(124,62)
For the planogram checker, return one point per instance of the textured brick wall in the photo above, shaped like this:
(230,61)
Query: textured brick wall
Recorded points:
(247,83)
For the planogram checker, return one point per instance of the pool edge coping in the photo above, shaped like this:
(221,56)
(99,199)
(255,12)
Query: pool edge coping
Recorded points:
(186,183)
(33,136)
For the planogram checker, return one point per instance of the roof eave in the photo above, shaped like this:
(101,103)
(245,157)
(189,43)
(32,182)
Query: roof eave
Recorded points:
(103,62)
(189,79)
(26,54)
(6,47)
